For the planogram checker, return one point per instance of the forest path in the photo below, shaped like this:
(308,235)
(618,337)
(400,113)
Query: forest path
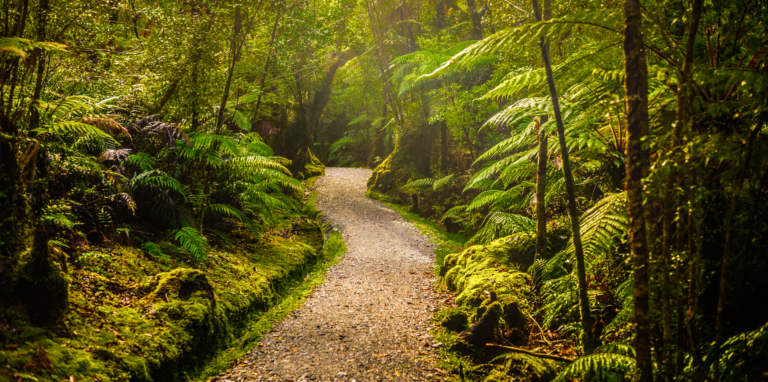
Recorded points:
(369,320)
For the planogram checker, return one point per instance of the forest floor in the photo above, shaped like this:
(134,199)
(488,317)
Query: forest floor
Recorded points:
(370,319)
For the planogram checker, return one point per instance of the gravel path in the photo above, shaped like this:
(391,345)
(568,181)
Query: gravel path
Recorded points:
(369,320)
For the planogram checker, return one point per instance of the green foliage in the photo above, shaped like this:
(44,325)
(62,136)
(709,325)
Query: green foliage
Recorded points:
(608,363)
(193,241)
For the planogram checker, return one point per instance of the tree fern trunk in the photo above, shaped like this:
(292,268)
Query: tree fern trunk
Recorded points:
(636,90)
(477,20)
(541,172)
(588,343)
(541,191)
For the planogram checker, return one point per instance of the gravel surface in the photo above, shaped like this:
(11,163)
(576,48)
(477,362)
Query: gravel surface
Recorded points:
(369,320)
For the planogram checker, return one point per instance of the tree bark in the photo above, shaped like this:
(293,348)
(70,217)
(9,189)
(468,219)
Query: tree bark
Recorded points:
(636,94)
(443,147)
(269,57)
(588,343)
(669,208)
(541,190)
(541,171)
(477,19)
(233,55)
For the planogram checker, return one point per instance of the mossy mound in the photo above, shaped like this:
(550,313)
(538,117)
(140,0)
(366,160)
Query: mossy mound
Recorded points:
(312,168)
(492,290)
(132,317)
(481,269)
(383,177)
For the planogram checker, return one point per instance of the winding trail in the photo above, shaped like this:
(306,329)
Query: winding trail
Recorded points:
(369,320)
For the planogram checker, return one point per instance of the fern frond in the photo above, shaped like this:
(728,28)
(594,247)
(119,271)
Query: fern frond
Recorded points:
(194,242)
(232,212)
(444,181)
(599,366)
(142,160)
(419,183)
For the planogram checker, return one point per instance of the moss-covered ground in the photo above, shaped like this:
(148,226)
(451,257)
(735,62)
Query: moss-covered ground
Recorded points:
(134,317)
(489,301)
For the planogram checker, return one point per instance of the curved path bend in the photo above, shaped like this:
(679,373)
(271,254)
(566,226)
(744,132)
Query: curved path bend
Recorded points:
(369,320)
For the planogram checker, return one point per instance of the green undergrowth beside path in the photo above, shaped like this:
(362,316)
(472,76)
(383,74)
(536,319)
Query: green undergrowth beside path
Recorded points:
(136,317)
(262,323)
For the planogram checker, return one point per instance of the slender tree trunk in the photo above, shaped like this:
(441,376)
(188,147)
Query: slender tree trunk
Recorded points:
(722,299)
(636,88)
(44,7)
(233,55)
(266,65)
(693,276)
(443,147)
(541,191)
(541,171)
(588,342)
(669,207)
(477,19)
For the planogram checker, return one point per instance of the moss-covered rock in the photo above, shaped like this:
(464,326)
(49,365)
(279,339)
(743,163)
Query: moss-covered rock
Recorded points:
(383,177)
(481,269)
(490,286)
(312,168)
(518,366)
(453,319)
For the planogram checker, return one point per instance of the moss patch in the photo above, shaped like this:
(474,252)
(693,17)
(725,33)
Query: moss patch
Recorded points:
(138,318)
(262,322)
(312,168)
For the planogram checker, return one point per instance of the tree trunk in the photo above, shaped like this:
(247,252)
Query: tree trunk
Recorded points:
(669,197)
(541,190)
(541,172)
(588,342)
(636,91)
(266,65)
(443,147)
(34,121)
(477,20)
(233,55)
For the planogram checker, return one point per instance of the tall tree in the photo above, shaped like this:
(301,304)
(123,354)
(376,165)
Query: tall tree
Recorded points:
(587,338)
(541,170)
(636,94)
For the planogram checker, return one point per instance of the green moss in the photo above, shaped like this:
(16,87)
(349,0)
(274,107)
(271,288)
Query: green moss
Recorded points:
(136,318)
(260,323)
(479,270)
(312,168)
(383,177)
